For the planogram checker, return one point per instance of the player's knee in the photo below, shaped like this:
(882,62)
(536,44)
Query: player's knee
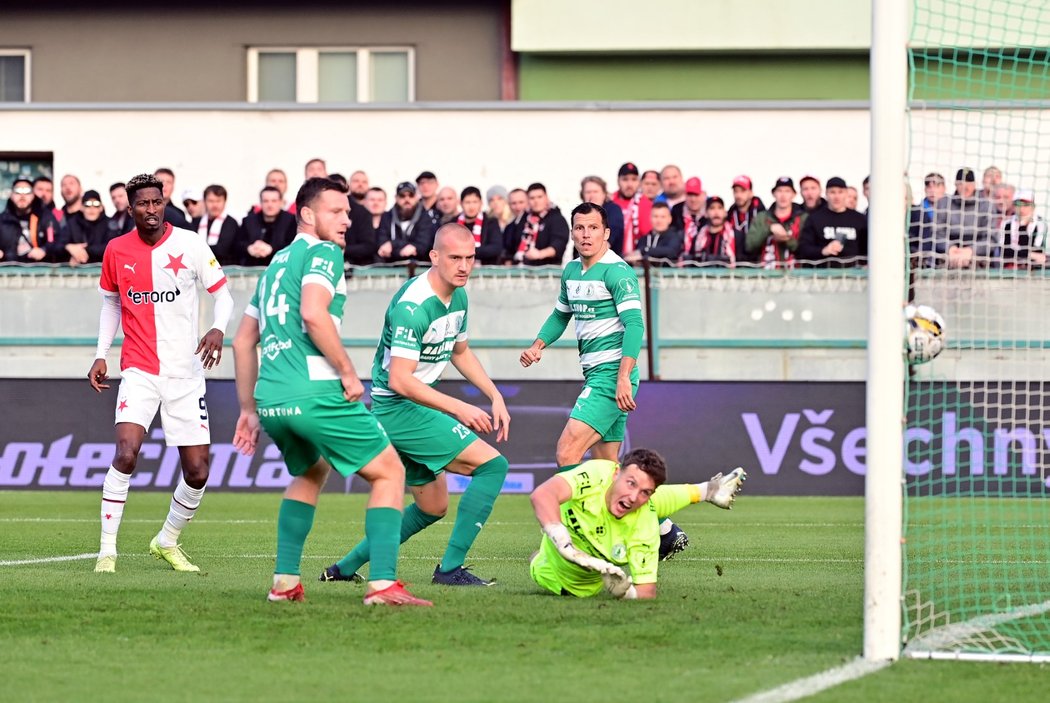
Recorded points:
(195,473)
(125,457)
(566,454)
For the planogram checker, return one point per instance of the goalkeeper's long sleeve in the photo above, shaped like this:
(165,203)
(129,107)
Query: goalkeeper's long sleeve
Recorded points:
(633,329)
(555,325)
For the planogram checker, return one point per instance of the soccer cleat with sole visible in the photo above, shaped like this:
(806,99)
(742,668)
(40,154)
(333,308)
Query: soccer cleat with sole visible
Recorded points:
(725,488)
(106,564)
(460,576)
(333,573)
(675,541)
(295,593)
(175,557)
(394,594)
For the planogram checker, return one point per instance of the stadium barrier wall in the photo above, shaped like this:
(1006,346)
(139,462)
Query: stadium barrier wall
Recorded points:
(793,438)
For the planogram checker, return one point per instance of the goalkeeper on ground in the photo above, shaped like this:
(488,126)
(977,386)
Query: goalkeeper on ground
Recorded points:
(601,517)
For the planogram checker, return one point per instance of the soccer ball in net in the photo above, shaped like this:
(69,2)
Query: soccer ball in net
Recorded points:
(924,333)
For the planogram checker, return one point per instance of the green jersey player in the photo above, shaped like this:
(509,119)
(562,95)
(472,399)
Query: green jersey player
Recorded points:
(601,291)
(425,329)
(601,524)
(304,392)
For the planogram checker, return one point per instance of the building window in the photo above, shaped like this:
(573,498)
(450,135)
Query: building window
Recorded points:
(14,76)
(331,75)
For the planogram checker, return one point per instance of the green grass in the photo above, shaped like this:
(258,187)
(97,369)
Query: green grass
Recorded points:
(766,594)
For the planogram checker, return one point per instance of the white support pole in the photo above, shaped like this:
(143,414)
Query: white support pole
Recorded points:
(886,288)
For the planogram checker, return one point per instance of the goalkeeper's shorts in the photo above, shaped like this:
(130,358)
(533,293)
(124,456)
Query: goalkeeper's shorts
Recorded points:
(545,572)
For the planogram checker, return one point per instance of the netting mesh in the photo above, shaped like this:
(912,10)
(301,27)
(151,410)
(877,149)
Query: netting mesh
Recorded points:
(977,514)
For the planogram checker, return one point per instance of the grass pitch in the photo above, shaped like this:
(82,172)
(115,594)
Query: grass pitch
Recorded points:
(766,594)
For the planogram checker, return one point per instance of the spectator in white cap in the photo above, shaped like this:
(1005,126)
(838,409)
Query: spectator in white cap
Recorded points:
(193,201)
(499,208)
(1023,236)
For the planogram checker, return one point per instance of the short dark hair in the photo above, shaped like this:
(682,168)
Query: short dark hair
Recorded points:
(338,178)
(310,190)
(215,190)
(588,208)
(142,182)
(866,181)
(470,190)
(649,463)
(39,179)
(165,171)
(115,186)
(519,190)
(267,189)
(21,179)
(536,186)
(377,189)
(652,171)
(660,205)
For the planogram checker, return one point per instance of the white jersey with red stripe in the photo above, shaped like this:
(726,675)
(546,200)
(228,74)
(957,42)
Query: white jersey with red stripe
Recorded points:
(157,286)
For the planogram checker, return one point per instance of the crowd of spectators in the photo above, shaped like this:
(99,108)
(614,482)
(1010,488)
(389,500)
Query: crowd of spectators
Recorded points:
(660,216)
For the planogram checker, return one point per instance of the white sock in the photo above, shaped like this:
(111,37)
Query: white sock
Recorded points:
(114,496)
(666,526)
(184,504)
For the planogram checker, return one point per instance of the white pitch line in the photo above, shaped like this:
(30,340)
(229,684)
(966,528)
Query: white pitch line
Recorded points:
(47,560)
(811,685)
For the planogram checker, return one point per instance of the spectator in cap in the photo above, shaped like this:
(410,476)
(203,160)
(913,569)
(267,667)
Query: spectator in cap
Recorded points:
(715,242)
(633,205)
(193,200)
(966,228)
(267,230)
(663,245)
(835,234)
(488,237)
(405,233)
(673,186)
(1023,235)
(811,194)
(650,184)
(774,233)
(745,206)
(594,190)
(89,231)
(498,208)
(690,215)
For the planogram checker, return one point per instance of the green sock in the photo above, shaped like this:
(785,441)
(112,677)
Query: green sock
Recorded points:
(382,528)
(414,520)
(474,509)
(293,525)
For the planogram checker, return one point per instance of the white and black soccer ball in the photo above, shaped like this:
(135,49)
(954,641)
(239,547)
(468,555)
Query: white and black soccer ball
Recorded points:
(924,333)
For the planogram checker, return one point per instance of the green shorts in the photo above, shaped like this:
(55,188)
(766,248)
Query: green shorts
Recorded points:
(345,434)
(596,405)
(426,439)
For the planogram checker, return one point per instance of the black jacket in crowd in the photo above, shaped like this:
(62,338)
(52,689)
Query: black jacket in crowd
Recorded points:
(822,226)
(361,237)
(678,215)
(553,232)
(419,233)
(228,249)
(95,234)
(51,237)
(667,245)
(278,234)
(121,223)
(175,216)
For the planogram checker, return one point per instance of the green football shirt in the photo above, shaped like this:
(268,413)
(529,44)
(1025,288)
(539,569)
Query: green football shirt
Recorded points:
(632,541)
(291,366)
(596,298)
(419,326)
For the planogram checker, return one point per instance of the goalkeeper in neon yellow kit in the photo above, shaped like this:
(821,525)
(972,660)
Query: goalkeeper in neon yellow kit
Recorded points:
(601,517)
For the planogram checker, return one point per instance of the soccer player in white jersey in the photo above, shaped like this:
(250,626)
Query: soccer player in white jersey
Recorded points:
(149,286)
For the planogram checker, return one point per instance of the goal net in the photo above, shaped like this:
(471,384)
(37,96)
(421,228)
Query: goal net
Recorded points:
(977,438)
